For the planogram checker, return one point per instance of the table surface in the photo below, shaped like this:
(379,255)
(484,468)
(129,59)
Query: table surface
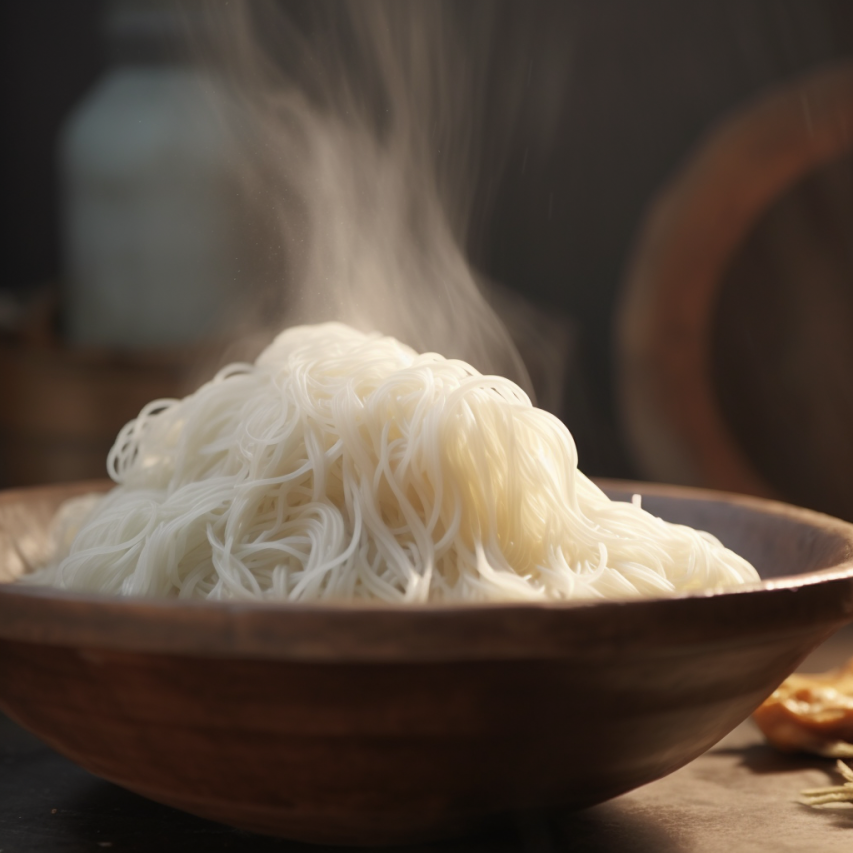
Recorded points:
(739,796)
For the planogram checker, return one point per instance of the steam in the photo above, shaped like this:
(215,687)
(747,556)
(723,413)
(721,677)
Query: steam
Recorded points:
(359,126)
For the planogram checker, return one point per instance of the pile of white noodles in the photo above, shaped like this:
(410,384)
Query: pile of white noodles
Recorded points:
(346,466)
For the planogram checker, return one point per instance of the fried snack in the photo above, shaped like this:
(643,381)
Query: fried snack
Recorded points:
(811,713)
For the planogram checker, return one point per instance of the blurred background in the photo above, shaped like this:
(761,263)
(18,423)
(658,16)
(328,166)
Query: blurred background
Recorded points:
(669,230)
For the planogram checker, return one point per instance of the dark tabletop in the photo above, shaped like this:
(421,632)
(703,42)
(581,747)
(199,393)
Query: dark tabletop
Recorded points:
(739,796)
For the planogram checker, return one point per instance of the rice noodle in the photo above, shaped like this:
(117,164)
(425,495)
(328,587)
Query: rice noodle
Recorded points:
(346,466)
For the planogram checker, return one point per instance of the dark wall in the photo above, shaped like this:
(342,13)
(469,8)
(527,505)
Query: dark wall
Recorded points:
(648,79)
(50,54)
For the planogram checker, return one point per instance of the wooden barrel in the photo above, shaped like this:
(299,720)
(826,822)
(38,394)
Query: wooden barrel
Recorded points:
(62,408)
(735,324)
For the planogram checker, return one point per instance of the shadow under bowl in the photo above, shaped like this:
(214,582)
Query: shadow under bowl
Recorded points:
(378,724)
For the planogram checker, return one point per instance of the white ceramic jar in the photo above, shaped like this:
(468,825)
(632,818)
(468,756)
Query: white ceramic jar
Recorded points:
(150,220)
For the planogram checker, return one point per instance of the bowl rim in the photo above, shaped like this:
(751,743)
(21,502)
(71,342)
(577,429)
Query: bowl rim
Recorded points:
(378,631)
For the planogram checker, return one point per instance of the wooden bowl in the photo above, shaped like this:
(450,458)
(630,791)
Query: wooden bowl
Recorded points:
(372,725)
